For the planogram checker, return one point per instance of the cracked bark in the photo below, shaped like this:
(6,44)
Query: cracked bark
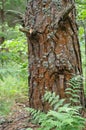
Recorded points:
(54,52)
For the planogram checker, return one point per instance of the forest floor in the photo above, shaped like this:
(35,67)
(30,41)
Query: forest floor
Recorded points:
(18,119)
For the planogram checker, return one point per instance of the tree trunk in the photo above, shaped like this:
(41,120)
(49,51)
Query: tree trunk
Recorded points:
(2,18)
(53,46)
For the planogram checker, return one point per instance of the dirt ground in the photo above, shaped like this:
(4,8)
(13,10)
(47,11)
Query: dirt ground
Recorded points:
(18,119)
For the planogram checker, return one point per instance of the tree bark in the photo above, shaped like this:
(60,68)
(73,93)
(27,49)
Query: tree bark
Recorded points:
(53,46)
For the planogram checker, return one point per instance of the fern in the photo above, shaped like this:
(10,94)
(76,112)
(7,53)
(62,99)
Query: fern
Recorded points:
(61,116)
(74,90)
(65,118)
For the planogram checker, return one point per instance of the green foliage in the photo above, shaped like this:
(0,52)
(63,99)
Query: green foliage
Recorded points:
(74,90)
(11,89)
(13,70)
(5,107)
(14,6)
(65,118)
(14,53)
(81,9)
(61,116)
(81,21)
(83,64)
(83,56)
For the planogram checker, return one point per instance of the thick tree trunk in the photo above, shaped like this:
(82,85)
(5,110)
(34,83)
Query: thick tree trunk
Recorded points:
(54,52)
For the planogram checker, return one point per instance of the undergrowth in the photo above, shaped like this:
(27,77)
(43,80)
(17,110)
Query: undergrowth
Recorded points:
(13,71)
(62,116)
(12,86)
(12,89)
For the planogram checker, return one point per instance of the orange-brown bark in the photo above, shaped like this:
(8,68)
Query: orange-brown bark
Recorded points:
(54,52)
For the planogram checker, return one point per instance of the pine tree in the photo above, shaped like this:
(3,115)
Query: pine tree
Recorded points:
(54,51)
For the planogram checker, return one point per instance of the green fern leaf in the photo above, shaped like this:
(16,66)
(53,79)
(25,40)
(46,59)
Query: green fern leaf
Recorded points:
(60,103)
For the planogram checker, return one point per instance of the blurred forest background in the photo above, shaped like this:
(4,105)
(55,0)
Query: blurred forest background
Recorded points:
(14,52)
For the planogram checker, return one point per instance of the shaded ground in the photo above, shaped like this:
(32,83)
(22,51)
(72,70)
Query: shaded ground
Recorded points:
(19,119)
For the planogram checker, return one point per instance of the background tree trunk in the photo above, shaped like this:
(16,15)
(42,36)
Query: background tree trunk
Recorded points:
(53,46)
(2,20)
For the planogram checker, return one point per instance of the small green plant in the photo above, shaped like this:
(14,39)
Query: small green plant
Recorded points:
(74,90)
(61,116)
